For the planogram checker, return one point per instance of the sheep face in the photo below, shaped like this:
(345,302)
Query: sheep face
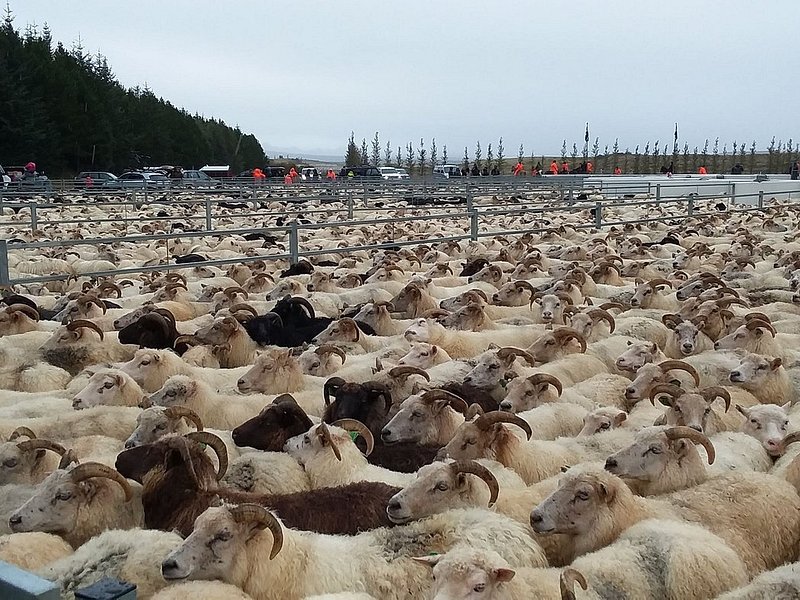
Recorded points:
(471,443)
(686,336)
(746,336)
(690,410)
(438,488)
(385,274)
(146,365)
(343,330)
(319,441)
(421,355)
(18,465)
(151,425)
(208,292)
(283,288)
(416,421)
(319,364)
(754,371)
(469,318)
(527,271)
(273,426)
(524,394)
(104,388)
(648,456)
(211,549)
(690,289)
(462,300)
(466,574)
(422,330)
(551,308)
(271,370)
(602,419)
(406,299)
(491,274)
(637,355)
(319,282)
(581,499)
(490,369)
(219,332)
(768,423)
(55,506)
(177,391)
(644,295)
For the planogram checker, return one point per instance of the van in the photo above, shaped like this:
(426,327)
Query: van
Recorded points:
(447,171)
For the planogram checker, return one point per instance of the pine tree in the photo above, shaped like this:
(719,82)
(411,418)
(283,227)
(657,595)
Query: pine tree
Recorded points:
(422,153)
(489,157)
(500,156)
(478,155)
(444,154)
(410,160)
(434,157)
(376,151)
(465,160)
(520,153)
(364,152)
(387,154)
(353,157)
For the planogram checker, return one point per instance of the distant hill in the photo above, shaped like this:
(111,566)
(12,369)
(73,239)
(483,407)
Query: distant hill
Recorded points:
(67,112)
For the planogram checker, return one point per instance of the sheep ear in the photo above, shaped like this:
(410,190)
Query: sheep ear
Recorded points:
(119,380)
(434,350)
(430,561)
(606,493)
(493,346)
(787,406)
(630,343)
(776,363)
(503,575)
(620,418)
(743,410)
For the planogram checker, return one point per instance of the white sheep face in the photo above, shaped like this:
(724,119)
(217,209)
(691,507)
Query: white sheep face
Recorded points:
(637,355)
(466,574)
(151,425)
(768,423)
(574,507)
(16,465)
(103,388)
(489,370)
(754,370)
(176,391)
(54,506)
(647,457)
(420,355)
(419,331)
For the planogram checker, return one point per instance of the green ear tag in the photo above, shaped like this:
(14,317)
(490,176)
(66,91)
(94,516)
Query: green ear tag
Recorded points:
(353,435)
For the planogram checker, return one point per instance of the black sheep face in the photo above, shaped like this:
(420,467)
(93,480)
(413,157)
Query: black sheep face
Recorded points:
(276,423)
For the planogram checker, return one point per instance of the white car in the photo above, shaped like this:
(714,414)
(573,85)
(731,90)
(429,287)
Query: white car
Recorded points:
(393,173)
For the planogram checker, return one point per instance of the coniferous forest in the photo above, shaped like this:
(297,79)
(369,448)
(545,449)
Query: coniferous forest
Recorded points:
(66,111)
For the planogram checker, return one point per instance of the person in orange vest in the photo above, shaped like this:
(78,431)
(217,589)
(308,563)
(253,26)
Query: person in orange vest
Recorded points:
(702,170)
(519,168)
(554,168)
(258,175)
(617,171)
(287,179)
(589,167)
(293,173)
(564,167)
(331,175)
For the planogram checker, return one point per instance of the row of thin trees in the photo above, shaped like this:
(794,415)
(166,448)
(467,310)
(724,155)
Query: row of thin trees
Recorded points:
(420,159)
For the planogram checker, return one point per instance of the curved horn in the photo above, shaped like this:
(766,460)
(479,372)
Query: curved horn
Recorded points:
(497,416)
(179,412)
(19,432)
(263,519)
(481,293)
(538,378)
(475,468)
(330,387)
(331,349)
(245,307)
(567,333)
(29,445)
(714,392)
(671,320)
(79,323)
(396,372)
(525,285)
(108,285)
(610,305)
(676,433)
(669,365)
(357,426)
(569,577)
(303,302)
(665,388)
(216,444)
(506,350)
(455,402)
(790,438)
(599,314)
(755,323)
(24,308)
(325,434)
(659,281)
(189,340)
(235,289)
(167,314)
(95,469)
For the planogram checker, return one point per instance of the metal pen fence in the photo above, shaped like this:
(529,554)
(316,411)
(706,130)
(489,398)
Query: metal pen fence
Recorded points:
(471,222)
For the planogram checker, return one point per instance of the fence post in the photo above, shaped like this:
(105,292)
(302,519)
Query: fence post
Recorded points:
(733,192)
(4,278)
(294,246)
(34,216)
(598,214)
(350,205)
(473,225)
(690,207)
(760,199)
(571,191)
(208,213)
(469,199)
(658,192)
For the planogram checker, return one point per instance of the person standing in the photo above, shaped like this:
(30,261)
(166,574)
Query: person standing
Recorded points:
(258,176)
(519,168)
(702,170)
(554,168)
(293,174)
(617,171)
(565,168)
(589,168)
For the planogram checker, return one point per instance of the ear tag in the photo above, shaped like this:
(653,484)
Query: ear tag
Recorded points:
(353,435)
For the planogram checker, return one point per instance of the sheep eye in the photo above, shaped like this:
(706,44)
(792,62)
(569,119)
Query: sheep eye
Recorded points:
(677,409)
(416,415)
(655,450)
(479,588)
(108,385)
(161,426)
(306,439)
(442,486)
(222,536)
(63,496)
(470,442)
(493,366)
(10,463)
(785,424)
(144,363)
(315,365)
(605,426)
(582,495)
(549,343)
(708,410)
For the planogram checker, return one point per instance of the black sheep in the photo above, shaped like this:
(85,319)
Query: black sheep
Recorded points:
(155,329)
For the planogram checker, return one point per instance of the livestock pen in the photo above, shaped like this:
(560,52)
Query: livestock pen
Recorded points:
(457,364)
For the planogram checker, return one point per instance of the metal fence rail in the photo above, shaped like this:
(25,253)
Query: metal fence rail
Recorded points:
(470,222)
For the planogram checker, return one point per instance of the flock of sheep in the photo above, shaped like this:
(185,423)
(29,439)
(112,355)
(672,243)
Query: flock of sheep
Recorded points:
(575,413)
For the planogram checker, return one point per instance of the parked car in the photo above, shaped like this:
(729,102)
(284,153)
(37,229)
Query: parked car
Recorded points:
(98,177)
(393,173)
(27,182)
(447,171)
(138,180)
(4,177)
(197,179)
(309,174)
(363,171)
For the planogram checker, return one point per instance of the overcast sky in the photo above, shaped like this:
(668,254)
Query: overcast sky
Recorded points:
(301,75)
